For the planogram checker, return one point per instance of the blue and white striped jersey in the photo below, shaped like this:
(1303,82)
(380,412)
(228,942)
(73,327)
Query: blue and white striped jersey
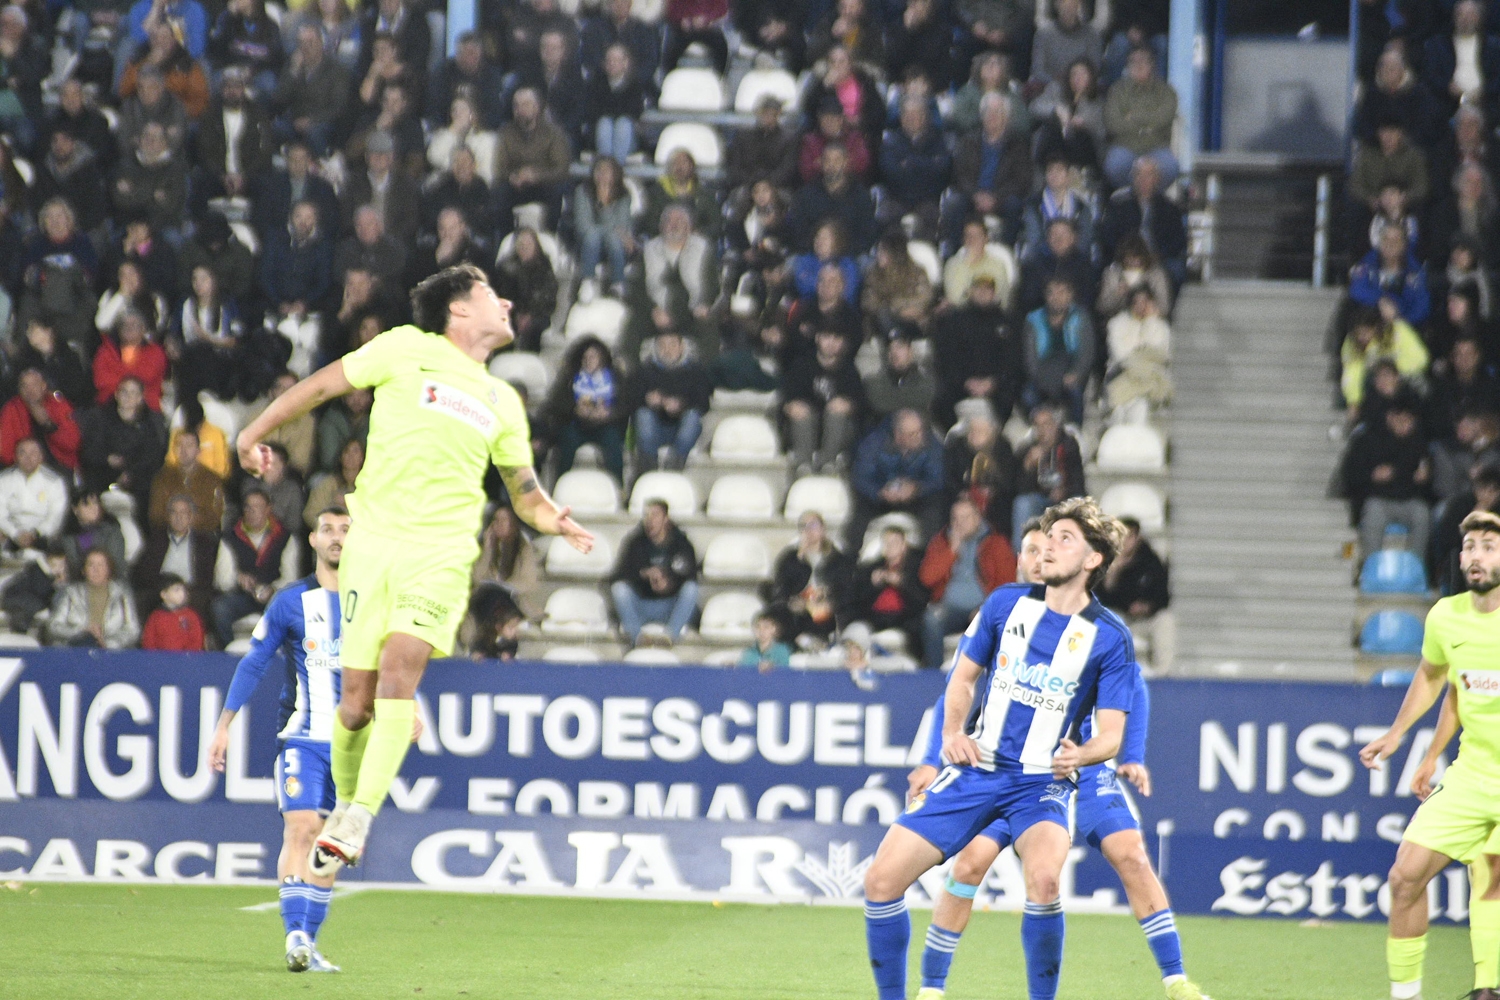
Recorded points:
(303,621)
(1043,674)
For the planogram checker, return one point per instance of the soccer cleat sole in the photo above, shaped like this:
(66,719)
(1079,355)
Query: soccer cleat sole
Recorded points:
(326,859)
(299,959)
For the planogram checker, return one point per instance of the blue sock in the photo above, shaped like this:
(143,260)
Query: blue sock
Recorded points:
(938,955)
(1161,935)
(1042,931)
(887,935)
(318,899)
(294,903)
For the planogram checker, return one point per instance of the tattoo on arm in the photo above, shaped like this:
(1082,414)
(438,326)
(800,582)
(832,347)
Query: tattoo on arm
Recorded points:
(519,481)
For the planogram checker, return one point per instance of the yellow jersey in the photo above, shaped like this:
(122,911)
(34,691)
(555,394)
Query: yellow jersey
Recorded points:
(1467,642)
(438,419)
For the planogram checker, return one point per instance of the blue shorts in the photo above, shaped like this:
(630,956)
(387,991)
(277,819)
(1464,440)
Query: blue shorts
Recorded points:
(304,777)
(1101,807)
(963,801)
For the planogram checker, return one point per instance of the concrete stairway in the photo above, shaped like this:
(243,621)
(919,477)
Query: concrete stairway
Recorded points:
(1260,588)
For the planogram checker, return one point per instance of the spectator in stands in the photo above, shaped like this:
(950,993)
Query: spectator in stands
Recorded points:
(461,187)
(1060,257)
(827,251)
(122,444)
(915,166)
(1059,344)
(244,37)
(312,93)
(277,193)
(59,265)
(1063,41)
(343,35)
(298,435)
(58,363)
(151,102)
(673,389)
(531,161)
(699,21)
(977,353)
(1464,385)
(128,351)
(523,24)
(1469,142)
(87,527)
(234,138)
(39,412)
(130,293)
(586,406)
(832,128)
(33,500)
(989,73)
(809,584)
(616,22)
(1464,287)
(332,489)
(1468,211)
(189,478)
(679,273)
(30,591)
(296,274)
(1483,493)
(453,243)
(185,16)
(922,39)
(1051,468)
(680,184)
(280,487)
(1390,278)
(71,171)
(256,558)
(370,248)
(1071,114)
(901,383)
(1475,442)
(898,467)
(767,151)
(406,26)
(96,612)
(616,100)
(961,566)
(1136,587)
(853,25)
(181,75)
(656,577)
(470,74)
(86,123)
(1391,159)
(835,195)
(1391,209)
(464,129)
(991,172)
(393,194)
(1389,475)
(1139,353)
(506,556)
(559,82)
(888,592)
(772,31)
(1372,338)
(604,225)
(1143,209)
(855,91)
(973,260)
(1464,66)
(766,651)
(491,630)
(979,466)
(214,452)
(182,549)
(828,309)
(348,419)
(823,401)
(1138,115)
(1134,265)
(173,627)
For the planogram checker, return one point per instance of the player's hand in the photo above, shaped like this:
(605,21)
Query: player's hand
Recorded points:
(218,748)
(253,454)
(1379,749)
(416,728)
(1421,781)
(1137,775)
(960,749)
(577,536)
(1066,760)
(917,781)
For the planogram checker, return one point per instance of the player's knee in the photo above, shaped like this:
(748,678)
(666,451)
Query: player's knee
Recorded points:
(1406,883)
(301,828)
(355,716)
(1042,887)
(970,870)
(881,885)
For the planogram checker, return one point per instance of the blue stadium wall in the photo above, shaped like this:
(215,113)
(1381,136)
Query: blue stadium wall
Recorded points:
(683,783)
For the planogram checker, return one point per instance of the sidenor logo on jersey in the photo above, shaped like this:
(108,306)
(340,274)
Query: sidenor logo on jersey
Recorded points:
(1481,682)
(458,404)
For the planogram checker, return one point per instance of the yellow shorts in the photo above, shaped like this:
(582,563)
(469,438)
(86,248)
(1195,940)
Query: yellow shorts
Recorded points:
(1461,817)
(389,585)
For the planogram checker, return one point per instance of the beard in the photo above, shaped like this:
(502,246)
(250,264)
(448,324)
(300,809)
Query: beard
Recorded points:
(1058,578)
(1487,584)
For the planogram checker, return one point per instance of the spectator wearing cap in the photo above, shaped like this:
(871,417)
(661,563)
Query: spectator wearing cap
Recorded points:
(257,557)
(390,192)
(123,444)
(38,412)
(991,172)
(1061,256)
(1143,209)
(897,289)
(834,195)
(313,93)
(915,166)
(832,128)
(902,383)
(886,590)
(277,191)
(1059,344)
(1391,279)
(151,184)
(963,563)
(1482,493)
(823,402)
(234,139)
(71,171)
(1388,476)
(673,392)
(1138,115)
(898,468)
(1136,587)
(977,353)
(1051,469)
(33,500)
(531,161)
(978,465)
(616,99)
(766,151)
(656,577)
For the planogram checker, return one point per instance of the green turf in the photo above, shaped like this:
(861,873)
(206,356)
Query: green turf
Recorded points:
(61,942)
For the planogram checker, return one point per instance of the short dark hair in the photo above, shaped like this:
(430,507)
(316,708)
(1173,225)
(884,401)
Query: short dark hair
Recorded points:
(1487,475)
(1130,523)
(1032,524)
(433,295)
(255,491)
(334,510)
(169,580)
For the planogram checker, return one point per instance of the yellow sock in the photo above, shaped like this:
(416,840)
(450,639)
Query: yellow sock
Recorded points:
(348,750)
(1484,927)
(390,736)
(1403,960)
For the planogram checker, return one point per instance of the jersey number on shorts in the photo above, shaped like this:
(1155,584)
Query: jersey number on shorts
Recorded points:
(948,777)
(293,761)
(350,600)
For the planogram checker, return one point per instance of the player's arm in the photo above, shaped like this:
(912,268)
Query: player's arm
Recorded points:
(312,392)
(1426,685)
(1132,760)
(269,634)
(932,758)
(532,505)
(1109,733)
(1447,727)
(958,748)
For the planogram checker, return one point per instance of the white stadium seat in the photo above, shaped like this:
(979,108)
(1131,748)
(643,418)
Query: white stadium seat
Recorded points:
(870,547)
(238,647)
(575,611)
(744,437)
(741,498)
(760,83)
(737,556)
(551,249)
(673,487)
(925,256)
(699,140)
(16,640)
(522,369)
(729,616)
(827,495)
(692,88)
(571,654)
(589,492)
(603,318)
(652,656)
(1137,500)
(567,562)
(1131,448)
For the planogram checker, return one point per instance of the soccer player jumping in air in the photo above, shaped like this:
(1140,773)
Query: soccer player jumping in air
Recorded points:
(1033,664)
(439,418)
(1462,647)
(1101,816)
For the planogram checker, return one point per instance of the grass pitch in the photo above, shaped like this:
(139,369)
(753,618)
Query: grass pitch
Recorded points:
(69,942)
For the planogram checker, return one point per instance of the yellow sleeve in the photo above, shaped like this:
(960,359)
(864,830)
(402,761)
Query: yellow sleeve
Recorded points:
(380,359)
(1432,645)
(511,446)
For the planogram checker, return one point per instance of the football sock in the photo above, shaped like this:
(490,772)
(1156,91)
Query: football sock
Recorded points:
(348,749)
(294,903)
(1042,931)
(390,736)
(1403,960)
(938,955)
(1161,935)
(887,935)
(1484,928)
(318,898)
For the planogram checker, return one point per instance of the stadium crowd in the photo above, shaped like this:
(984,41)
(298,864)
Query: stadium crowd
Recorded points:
(966,215)
(1416,338)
